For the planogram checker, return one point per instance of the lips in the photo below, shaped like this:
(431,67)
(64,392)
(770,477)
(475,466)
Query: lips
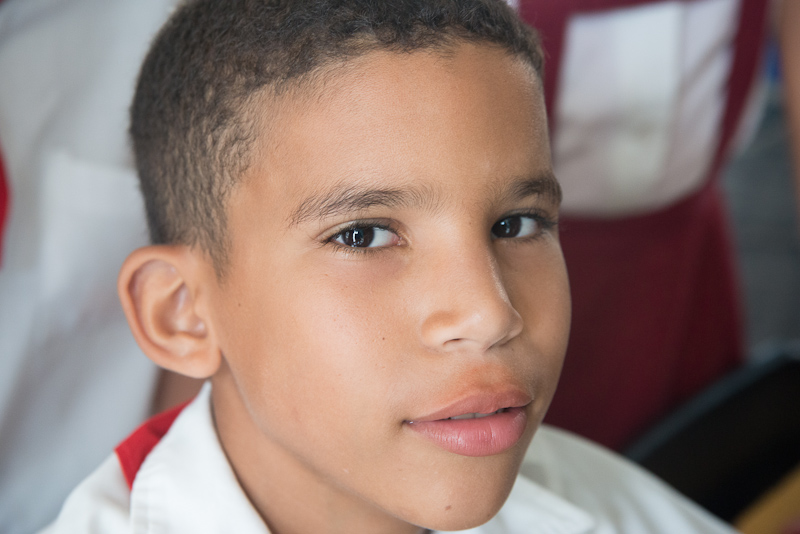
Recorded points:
(477,425)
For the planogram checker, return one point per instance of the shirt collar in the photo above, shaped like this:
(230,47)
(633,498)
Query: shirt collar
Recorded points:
(171,492)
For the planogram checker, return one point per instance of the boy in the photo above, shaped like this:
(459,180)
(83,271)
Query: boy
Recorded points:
(354,219)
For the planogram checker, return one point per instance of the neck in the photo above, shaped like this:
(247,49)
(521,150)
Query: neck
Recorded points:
(290,496)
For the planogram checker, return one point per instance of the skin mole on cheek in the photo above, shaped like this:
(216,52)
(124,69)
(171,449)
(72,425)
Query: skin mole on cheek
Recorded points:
(446,508)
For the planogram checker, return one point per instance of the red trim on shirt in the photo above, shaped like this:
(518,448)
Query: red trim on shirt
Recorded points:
(748,50)
(4,199)
(132,452)
(5,196)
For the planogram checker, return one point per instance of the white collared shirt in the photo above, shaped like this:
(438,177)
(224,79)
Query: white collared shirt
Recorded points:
(186,485)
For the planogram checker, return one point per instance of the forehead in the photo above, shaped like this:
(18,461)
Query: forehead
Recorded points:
(427,120)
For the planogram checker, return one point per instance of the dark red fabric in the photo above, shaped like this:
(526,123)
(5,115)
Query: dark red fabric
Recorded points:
(655,317)
(132,452)
(655,297)
(748,50)
(5,196)
(4,201)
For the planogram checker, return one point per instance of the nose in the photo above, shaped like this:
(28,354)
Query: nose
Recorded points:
(466,303)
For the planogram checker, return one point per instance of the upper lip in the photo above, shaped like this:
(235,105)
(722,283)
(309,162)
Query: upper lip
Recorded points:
(479,402)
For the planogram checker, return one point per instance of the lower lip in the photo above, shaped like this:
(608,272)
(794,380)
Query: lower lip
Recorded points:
(484,436)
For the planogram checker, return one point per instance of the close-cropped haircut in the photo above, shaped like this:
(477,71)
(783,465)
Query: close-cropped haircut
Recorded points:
(191,119)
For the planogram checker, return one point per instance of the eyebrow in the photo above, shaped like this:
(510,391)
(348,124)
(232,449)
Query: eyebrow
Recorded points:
(543,185)
(341,199)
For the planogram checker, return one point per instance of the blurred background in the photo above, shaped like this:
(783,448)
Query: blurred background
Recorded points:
(680,230)
(760,192)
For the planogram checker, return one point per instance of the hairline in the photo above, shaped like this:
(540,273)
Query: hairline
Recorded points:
(311,85)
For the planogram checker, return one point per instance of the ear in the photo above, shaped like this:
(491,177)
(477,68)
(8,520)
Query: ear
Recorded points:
(164,293)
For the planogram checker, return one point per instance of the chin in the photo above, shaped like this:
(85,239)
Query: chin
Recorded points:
(462,502)
(462,523)
(462,517)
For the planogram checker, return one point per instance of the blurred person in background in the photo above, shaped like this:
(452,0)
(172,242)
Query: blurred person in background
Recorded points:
(647,100)
(73,383)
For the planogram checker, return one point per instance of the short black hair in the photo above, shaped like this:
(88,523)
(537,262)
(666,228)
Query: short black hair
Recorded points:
(192,133)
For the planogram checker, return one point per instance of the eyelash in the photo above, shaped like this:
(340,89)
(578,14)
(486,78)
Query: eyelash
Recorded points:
(544,222)
(355,225)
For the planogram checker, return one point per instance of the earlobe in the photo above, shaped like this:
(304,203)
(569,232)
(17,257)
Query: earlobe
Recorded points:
(162,292)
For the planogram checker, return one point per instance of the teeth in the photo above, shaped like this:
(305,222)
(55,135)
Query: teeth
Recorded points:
(474,415)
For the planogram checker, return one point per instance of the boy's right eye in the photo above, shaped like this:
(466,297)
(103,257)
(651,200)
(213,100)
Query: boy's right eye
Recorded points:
(366,237)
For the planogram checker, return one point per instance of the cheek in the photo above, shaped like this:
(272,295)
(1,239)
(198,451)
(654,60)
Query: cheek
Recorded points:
(538,288)
(315,349)
(536,280)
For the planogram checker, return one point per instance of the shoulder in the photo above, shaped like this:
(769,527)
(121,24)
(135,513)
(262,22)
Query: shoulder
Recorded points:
(620,496)
(170,475)
(99,504)
(102,502)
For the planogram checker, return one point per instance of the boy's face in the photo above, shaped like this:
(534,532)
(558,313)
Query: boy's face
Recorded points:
(393,263)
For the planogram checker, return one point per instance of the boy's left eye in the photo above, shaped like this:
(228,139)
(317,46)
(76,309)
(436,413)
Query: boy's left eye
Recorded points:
(366,237)
(515,226)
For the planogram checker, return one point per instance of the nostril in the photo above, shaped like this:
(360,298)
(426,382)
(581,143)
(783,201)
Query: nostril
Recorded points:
(474,332)
(473,312)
